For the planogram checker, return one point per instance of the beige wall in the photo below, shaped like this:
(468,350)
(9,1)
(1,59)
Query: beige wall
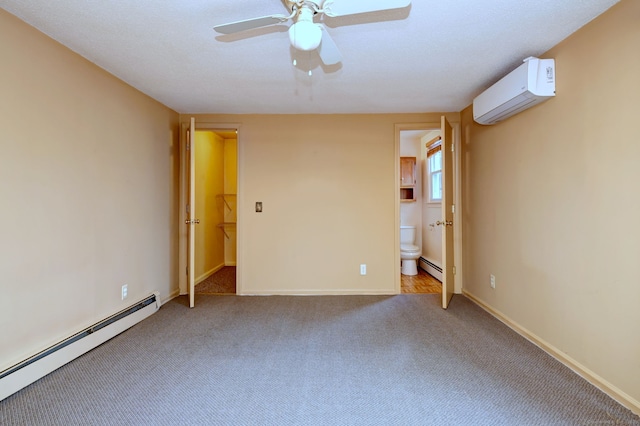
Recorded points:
(551,206)
(209,205)
(328,187)
(87,168)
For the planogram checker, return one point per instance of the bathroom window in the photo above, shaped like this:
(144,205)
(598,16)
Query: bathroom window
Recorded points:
(434,165)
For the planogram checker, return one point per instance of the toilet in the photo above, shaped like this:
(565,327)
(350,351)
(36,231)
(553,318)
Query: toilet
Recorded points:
(409,252)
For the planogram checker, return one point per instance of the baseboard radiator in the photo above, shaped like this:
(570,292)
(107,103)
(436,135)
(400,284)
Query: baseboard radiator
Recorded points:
(31,369)
(432,268)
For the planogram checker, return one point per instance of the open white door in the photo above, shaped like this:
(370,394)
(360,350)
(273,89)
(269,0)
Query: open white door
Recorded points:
(191,221)
(447,212)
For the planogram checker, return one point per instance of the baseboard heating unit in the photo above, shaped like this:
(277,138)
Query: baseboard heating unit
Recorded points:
(31,369)
(432,268)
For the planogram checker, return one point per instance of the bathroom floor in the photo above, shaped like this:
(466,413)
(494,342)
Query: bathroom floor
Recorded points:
(420,284)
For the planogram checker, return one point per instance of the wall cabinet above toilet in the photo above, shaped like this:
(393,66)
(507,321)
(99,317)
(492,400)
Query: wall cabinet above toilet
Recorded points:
(407,178)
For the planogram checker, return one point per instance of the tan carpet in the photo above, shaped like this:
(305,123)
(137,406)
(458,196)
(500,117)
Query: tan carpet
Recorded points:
(222,282)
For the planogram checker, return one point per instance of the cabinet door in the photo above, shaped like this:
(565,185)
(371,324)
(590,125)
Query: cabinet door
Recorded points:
(407,171)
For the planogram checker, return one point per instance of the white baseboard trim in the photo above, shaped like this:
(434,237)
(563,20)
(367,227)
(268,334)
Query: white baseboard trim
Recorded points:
(230,264)
(208,273)
(175,293)
(602,384)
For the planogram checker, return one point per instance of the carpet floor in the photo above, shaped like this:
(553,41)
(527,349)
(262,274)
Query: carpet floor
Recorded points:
(322,360)
(221,282)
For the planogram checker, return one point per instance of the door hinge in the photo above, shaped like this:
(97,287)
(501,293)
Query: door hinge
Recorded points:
(454,270)
(188,209)
(453,208)
(453,148)
(188,146)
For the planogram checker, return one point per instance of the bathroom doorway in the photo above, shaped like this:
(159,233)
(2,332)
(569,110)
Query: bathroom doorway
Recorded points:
(423,210)
(437,233)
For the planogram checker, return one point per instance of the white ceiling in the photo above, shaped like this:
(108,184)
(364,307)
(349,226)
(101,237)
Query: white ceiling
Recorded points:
(432,56)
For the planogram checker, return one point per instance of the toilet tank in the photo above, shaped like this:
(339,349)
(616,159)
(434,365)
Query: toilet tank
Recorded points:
(407,234)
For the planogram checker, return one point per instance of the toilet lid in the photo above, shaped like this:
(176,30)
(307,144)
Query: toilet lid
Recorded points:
(409,247)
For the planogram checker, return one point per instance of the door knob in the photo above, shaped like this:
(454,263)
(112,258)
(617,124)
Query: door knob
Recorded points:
(192,222)
(445,223)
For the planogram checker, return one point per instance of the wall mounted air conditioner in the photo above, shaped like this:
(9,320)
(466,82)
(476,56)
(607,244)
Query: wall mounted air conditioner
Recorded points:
(531,83)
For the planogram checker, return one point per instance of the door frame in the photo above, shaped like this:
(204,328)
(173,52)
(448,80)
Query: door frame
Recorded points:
(183,235)
(457,196)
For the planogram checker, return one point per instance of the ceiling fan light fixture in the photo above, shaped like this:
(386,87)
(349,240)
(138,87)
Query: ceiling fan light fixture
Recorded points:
(305,35)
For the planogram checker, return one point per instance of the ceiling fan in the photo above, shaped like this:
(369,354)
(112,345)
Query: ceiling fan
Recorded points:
(305,34)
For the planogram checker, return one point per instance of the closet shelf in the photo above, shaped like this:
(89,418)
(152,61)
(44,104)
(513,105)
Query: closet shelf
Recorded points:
(224,199)
(223,225)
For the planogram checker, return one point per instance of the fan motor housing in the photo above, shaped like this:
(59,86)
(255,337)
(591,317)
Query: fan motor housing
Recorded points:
(290,5)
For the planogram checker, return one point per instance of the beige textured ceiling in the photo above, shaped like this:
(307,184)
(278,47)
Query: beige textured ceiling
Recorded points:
(431,56)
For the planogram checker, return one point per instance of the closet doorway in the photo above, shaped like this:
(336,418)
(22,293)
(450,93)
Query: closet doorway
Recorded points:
(210,241)
(216,189)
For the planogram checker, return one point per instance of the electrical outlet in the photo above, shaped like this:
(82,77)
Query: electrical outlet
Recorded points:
(124,291)
(259,206)
(363,269)
(493,281)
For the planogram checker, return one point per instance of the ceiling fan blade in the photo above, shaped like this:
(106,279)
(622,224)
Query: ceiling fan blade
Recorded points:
(334,8)
(249,24)
(328,50)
